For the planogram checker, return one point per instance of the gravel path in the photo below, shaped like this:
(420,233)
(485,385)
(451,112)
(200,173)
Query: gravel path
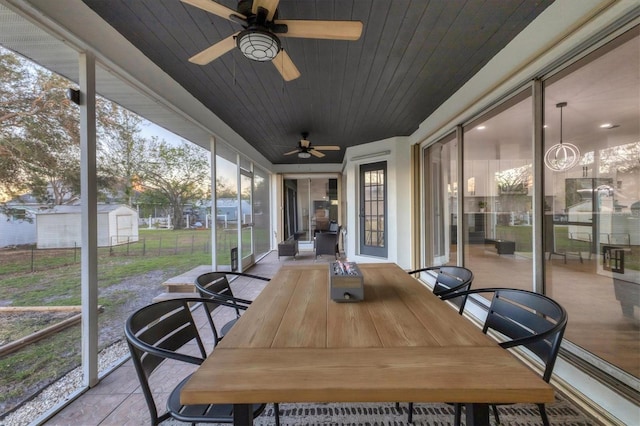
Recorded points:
(63,388)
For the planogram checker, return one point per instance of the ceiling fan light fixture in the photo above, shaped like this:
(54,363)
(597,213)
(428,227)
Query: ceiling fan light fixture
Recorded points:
(258,45)
(304,154)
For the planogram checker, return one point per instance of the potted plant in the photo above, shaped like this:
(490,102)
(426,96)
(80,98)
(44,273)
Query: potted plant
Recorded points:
(482,206)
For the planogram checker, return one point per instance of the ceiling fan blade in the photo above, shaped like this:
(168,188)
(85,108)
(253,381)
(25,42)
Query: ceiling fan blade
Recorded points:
(270,5)
(327,148)
(292,152)
(316,153)
(215,51)
(215,8)
(332,30)
(285,66)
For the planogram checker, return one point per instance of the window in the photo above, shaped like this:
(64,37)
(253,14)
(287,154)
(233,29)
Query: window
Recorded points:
(498,216)
(592,238)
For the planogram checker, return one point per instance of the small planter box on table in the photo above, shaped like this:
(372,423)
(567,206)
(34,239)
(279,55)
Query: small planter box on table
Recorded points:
(346,282)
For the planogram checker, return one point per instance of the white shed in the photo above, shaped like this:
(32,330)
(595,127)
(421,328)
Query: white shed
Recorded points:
(17,228)
(60,226)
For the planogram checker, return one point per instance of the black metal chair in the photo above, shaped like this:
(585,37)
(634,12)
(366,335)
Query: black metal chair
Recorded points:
(215,286)
(162,331)
(522,318)
(449,280)
(327,243)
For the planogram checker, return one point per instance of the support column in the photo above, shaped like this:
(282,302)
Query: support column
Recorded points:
(538,188)
(214,207)
(89,219)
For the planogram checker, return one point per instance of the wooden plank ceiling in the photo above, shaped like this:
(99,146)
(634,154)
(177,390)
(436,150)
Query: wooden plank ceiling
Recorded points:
(412,56)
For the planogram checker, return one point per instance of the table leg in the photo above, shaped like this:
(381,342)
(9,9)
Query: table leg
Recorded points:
(242,414)
(477,414)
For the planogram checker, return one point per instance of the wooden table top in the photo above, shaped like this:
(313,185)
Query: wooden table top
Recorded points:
(402,343)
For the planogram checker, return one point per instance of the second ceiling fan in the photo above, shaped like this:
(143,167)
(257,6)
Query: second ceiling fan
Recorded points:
(306,150)
(259,42)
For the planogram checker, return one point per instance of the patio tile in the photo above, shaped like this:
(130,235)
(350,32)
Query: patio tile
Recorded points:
(133,411)
(88,409)
(122,380)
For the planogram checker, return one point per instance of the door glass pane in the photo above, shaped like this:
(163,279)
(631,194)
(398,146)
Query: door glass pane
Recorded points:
(592,210)
(310,206)
(498,195)
(261,212)
(246,203)
(303,210)
(226,212)
(441,171)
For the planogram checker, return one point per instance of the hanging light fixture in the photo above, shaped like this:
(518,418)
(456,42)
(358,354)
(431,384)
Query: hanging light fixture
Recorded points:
(561,156)
(258,44)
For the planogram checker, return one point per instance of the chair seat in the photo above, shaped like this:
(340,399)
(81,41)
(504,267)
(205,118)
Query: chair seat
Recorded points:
(221,413)
(227,327)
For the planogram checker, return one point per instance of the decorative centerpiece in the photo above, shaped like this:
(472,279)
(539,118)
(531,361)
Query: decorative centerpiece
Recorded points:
(345,281)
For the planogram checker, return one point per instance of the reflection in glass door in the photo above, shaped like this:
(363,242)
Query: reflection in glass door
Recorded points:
(592,210)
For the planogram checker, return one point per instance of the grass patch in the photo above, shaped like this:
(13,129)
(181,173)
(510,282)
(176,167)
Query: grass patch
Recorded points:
(126,281)
(25,371)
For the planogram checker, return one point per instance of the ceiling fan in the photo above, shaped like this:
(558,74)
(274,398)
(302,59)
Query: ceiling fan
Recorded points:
(305,150)
(259,42)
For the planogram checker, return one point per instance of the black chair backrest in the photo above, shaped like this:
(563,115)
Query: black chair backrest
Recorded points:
(157,332)
(527,319)
(213,285)
(450,279)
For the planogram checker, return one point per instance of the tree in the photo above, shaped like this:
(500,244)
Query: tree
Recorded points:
(20,99)
(122,148)
(39,133)
(40,139)
(175,174)
(225,189)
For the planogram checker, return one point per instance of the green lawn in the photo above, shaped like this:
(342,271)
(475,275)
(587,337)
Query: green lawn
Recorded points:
(128,277)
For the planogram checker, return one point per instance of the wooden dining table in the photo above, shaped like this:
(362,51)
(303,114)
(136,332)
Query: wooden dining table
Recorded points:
(401,343)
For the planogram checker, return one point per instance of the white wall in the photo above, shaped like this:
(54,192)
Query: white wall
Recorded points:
(398,234)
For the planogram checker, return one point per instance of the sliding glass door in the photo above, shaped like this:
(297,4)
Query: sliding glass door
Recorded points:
(310,205)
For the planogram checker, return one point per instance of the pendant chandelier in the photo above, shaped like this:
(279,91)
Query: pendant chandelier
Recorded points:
(561,156)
